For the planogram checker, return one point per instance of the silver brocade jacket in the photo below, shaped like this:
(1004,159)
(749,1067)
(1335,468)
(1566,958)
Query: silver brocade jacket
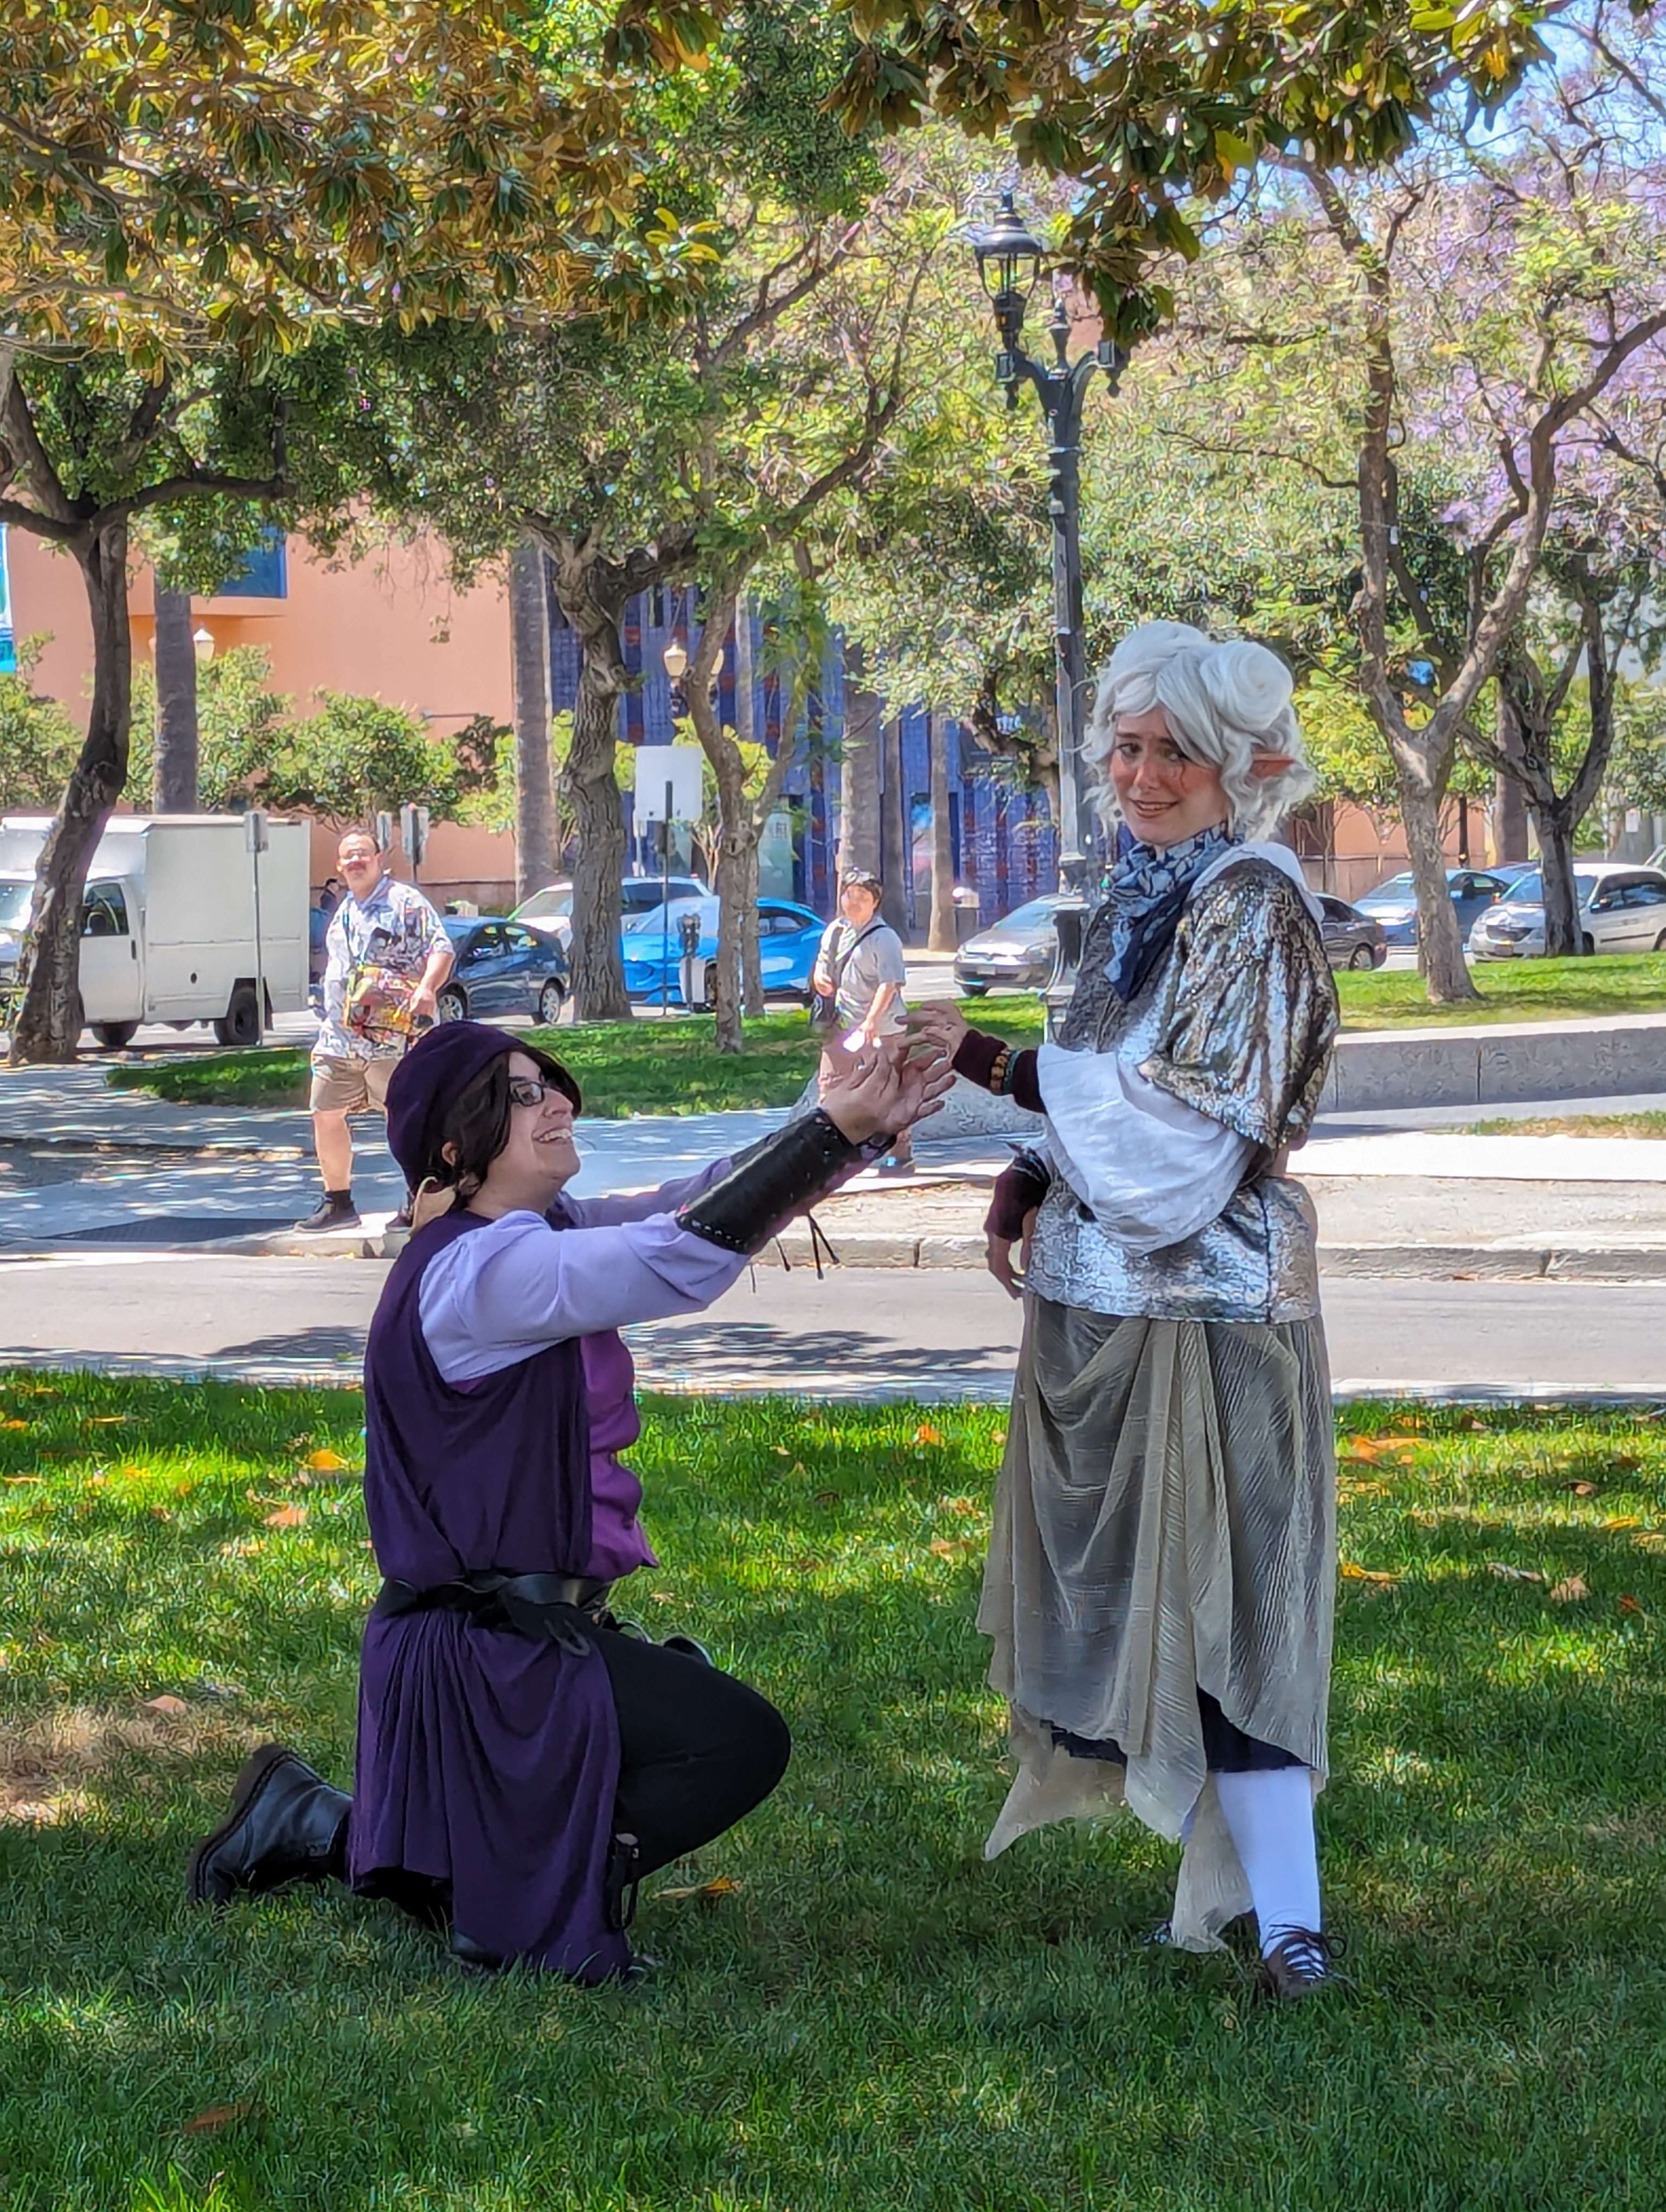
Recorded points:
(1238,1020)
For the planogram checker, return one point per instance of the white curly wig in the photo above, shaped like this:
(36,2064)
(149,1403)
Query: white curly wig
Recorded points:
(1225,703)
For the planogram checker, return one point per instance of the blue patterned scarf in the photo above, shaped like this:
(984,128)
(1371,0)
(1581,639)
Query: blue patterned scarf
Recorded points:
(1147,893)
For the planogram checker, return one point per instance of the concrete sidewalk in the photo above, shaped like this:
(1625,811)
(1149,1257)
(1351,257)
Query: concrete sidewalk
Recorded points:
(83,1166)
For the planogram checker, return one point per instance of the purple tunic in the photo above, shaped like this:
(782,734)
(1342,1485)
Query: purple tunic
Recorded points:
(487,1762)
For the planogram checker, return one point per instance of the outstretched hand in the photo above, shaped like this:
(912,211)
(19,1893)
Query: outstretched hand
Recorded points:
(876,1092)
(939,1022)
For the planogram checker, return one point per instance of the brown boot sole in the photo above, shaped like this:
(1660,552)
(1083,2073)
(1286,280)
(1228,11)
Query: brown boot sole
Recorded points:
(257,1770)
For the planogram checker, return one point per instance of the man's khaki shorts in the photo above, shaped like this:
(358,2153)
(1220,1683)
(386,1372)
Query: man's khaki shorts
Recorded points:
(349,1086)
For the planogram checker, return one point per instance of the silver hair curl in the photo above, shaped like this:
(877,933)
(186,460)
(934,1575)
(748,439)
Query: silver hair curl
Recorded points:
(1226,700)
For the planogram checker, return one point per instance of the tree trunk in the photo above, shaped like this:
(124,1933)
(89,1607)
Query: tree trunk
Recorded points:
(1509,803)
(859,784)
(174,775)
(1440,941)
(593,598)
(735,846)
(48,1025)
(941,936)
(536,856)
(894,853)
(1564,936)
(751,962)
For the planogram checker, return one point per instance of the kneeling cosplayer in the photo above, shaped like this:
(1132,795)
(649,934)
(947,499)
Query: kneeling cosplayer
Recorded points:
(522,1762)
(1161,1578)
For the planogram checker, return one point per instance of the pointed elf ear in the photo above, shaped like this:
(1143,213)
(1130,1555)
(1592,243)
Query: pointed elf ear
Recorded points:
(1266,765)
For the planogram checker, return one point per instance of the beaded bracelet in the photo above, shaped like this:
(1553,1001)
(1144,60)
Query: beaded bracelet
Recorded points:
(998,1068)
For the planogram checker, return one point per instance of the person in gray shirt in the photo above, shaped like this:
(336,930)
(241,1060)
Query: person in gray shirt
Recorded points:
(860,964)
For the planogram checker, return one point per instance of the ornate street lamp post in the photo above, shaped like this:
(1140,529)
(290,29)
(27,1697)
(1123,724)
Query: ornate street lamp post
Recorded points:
(1009,261)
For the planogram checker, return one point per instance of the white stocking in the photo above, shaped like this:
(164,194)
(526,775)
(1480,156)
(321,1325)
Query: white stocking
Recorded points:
(1269,1816)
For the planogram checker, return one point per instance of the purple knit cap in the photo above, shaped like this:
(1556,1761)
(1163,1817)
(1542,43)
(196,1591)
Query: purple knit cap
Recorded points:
(436,1072)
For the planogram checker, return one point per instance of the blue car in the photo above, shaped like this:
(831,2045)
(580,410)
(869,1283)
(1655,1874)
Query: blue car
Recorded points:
(1393,905)
(501,967)
(787,939)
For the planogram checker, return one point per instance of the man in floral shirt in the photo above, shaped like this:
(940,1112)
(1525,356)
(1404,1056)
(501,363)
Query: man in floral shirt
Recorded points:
(386,956)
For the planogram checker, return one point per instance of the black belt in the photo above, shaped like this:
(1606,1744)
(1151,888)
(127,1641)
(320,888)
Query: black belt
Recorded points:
(567,1609)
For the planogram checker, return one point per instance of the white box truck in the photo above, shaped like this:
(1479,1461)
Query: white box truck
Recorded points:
(168,921)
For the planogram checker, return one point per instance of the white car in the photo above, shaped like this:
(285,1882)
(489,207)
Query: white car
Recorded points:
(1621,910)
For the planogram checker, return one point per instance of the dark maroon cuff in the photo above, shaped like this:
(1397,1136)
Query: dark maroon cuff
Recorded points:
(976,1057)
(1019,1190)
(976,1060)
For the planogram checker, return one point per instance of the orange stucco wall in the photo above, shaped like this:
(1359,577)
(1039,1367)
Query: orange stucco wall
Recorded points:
(391,624)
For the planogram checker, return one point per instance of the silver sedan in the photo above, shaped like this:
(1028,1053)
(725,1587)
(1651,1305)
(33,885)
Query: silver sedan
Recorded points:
(1621,910)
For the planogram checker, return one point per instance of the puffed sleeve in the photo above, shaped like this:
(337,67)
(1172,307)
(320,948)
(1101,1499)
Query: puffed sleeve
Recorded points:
(1254,1014)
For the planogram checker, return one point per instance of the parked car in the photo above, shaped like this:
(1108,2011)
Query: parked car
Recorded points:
(502,966)
(1351,940)
(787,939)
(1016,953)
(551,909)
(1621,910)
(1393,904)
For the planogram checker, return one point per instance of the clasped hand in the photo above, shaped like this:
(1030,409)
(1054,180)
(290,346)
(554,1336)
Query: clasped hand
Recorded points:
(883,1087)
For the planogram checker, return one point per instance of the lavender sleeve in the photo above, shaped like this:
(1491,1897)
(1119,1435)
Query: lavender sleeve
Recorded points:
(494,1297)
(638,1204)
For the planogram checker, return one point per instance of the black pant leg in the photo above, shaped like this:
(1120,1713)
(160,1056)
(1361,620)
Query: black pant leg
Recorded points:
(697,1749)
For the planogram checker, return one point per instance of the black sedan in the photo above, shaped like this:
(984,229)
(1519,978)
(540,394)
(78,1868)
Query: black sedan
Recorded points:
(1353,939)
(501,967)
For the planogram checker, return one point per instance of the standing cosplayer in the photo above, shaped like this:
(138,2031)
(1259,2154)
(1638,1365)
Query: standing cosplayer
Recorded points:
(1161,1577)
(521,1761)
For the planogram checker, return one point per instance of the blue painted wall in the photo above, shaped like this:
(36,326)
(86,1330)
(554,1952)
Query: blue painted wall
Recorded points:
(1004,843)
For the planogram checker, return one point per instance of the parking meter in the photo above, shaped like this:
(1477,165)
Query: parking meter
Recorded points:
(693,975)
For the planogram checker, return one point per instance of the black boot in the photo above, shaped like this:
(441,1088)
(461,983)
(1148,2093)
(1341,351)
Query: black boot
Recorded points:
(286,1823)
(336,1210)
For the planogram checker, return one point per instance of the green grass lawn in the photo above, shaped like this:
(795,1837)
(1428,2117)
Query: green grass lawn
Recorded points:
(1575,1125)
(669,1067)
(874,2018)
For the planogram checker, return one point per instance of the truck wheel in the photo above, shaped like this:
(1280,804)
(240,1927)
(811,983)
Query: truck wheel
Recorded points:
(549,1004)
(114,1035)
(451,1005)
(241,1023)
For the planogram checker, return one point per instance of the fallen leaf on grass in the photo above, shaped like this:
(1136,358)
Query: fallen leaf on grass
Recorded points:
(106,1421)
(829,1497)
(172,1707)
(1509,1574)
(13,1480)
(1566,1592)
(1651,1539)
(13,1425)
(1581,1489)
(703,1892)
(217,2117)
(325,1462)
(926,1434)
(1629,1604)
(287,1517)
(943,1549)
(1353,1573)
(1621,1521)
(1627,1462)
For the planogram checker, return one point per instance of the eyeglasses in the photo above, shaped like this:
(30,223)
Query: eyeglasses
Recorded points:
(527,1090)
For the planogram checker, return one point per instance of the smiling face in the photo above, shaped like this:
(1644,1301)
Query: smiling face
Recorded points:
(540,1155)
(360,862)
(1164,797)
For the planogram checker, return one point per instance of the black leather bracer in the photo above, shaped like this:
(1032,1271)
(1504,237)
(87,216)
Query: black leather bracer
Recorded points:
(771,1183)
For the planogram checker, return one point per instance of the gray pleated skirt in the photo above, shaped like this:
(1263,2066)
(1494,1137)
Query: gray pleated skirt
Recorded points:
(1164,1525)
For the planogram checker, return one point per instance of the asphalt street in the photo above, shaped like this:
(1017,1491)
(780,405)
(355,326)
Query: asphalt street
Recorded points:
(858,1334)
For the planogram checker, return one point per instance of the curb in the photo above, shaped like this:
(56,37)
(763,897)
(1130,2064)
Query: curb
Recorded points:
(1426,1263)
